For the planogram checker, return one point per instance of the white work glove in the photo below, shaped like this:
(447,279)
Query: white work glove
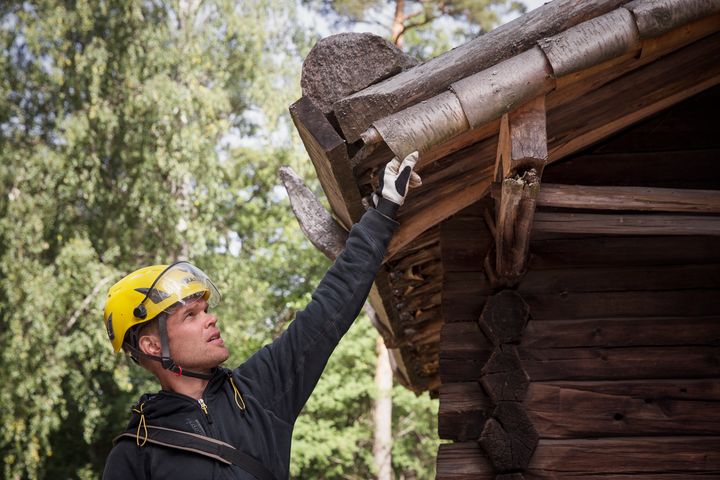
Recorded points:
(395,177)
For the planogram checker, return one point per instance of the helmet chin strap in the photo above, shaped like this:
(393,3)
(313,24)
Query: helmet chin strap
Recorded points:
(166,361)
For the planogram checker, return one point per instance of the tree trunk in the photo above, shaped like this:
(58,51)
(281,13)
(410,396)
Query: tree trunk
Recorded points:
(398,26)
(382,448)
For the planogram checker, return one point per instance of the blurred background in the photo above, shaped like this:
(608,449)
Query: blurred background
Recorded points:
(135,132)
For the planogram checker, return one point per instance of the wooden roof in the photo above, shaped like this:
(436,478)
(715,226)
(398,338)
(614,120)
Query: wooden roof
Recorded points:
(592,68)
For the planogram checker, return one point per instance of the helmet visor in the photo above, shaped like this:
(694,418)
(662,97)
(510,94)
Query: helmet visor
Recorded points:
(179,284)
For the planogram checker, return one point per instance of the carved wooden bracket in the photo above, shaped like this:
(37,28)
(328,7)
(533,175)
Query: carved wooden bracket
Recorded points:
(521,157)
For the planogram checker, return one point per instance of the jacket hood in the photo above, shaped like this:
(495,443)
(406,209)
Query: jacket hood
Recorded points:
(164,404)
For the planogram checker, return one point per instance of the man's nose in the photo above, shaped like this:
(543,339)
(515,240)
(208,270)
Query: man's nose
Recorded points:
(210,320)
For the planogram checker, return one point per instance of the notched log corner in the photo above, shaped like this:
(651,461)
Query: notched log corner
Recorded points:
(504,317)
(503,376)
(509,438)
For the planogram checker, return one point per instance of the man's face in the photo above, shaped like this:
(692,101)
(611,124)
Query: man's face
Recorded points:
(195,341)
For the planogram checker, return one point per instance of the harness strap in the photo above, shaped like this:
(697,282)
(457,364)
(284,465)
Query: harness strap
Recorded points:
(202,445)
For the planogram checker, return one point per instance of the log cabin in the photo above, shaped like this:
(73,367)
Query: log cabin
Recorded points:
(556,278)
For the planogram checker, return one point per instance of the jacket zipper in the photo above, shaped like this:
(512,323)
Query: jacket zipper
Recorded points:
(204,408)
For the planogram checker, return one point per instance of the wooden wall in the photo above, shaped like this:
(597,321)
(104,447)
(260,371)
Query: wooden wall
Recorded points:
(616,371)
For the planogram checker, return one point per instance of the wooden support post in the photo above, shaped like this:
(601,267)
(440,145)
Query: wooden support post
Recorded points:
(521,157)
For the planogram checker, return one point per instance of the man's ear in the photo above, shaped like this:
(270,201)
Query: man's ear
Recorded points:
(150,344)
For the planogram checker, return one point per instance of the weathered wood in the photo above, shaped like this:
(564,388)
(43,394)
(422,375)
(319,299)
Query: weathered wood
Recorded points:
(465,193)
(566,409)
(629,198)
(423,125)
(503,376)
(527,136)
(328,153)
(357,112)
(620,363)
(623,408)
(510,476)
(317,224)
(342,64)
(504,317)
(604,457)
(463,461)
(621,278)
(658,17)
(626,224)
(624,251)
(592,42)
(464,350)
(509,438)
(464,407)
(515,220)
(489,94)
(623,332)
(633,97)
(685,303)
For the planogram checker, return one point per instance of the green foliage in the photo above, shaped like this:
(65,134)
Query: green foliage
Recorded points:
(132,133)
(429,27)
(334,435)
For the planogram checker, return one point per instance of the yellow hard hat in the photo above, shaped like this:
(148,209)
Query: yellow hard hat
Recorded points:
(145,293)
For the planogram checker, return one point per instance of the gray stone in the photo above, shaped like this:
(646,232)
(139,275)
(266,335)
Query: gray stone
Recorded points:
(342,64)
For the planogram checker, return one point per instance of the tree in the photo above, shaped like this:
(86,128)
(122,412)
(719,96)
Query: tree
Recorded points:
(115,128)
(424,28)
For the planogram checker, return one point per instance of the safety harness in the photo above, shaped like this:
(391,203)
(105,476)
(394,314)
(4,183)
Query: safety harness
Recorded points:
(200,445)
(196,443)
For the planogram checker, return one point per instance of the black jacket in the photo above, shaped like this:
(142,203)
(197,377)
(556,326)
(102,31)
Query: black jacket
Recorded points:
(275,382)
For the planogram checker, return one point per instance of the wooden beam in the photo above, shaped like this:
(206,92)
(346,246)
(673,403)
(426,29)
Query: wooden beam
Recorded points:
(460,194)
(328,153)
(630,98)
(567,409)
(358,111)
(641,458)
(624,408)
(620,224)
(617,252)
(521,157)
(629,198)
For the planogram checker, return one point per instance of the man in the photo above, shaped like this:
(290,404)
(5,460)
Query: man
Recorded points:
(209,422)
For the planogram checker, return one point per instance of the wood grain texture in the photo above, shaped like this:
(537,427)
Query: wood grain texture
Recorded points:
(356,112)
(629,198)
(626,224)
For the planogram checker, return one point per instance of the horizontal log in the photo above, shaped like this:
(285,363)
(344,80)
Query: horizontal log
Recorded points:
(641,458)
(632,456)
(620,363)
(356,112)
(620,278)
(594,409)
(644,407)
(464,407)
(463,461)
(633,97)
(629,198)
(623,332)
(464,351)
(623,251)
(604,224)
(683,303)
